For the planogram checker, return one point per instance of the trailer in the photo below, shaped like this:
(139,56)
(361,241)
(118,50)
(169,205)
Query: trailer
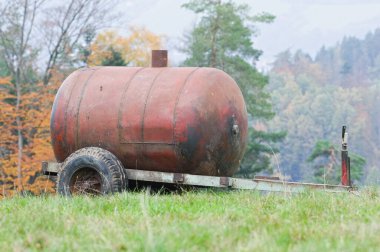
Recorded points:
(259,183)
(171,125)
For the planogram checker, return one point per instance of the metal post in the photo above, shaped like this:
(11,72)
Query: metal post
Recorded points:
(345,159)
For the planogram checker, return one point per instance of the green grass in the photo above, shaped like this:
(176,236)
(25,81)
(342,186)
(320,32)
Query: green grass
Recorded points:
(202,220)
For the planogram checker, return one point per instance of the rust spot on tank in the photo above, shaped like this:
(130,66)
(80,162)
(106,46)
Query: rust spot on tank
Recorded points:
(189,147)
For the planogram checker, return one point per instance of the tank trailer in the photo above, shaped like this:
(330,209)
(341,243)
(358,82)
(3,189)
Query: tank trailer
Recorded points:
(175,125)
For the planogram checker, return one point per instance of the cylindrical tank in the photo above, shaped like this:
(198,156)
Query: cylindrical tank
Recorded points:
(184,120)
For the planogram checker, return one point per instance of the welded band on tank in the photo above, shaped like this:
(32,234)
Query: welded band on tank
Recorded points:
(149,143)
(79,104)
(121,106)
(66,106)
(146,102)
(177,101)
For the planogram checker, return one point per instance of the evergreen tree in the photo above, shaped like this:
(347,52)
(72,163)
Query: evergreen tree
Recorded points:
(326,163)
(223,39)
(113,59)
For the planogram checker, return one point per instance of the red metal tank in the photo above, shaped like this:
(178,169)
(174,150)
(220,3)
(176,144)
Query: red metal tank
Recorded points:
(185,120)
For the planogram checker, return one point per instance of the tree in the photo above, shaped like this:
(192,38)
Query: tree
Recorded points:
(34,112)
(6,138)
(135,49)
(17,21)
(326,163)
(223,39)
(65,24)
(114,59)
(312,101)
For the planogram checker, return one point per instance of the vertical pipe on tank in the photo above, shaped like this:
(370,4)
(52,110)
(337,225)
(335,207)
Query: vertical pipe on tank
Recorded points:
(159,58)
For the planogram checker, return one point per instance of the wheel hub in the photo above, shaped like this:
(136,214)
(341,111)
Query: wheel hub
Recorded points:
(86,181)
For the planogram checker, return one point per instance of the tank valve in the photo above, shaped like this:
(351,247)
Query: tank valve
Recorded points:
(235,126)
(235,129)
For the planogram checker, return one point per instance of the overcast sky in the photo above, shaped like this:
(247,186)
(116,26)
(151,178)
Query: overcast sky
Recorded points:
(299,24)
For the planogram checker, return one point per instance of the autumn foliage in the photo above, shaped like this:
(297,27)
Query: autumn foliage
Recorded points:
(35,117)
(134,49)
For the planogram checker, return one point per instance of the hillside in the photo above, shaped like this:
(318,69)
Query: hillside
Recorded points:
(314,96)
(193,221)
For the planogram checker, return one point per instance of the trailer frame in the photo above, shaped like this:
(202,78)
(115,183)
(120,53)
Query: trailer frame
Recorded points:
(259,183)
(267,185)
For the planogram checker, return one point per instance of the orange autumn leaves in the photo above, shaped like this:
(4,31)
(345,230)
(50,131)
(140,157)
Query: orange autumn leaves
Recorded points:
(34,113)
(135,49)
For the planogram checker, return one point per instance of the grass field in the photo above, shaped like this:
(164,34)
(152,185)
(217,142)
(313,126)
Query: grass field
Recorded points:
(202,220)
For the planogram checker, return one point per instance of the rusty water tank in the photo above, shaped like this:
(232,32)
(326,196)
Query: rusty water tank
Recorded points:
(171,119)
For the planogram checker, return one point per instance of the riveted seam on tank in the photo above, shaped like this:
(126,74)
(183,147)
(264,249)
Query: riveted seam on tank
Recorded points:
(141,154)
(175,107)
(158,143)
(121,105)
(177,101)
(79,104)
(146,102)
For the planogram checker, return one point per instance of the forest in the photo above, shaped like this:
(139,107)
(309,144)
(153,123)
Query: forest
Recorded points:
(314,96)
(296,109)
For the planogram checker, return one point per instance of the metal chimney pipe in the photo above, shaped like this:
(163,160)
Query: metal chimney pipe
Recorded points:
(159,58)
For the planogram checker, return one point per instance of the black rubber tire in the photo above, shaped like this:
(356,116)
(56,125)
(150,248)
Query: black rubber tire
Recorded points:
(111,173)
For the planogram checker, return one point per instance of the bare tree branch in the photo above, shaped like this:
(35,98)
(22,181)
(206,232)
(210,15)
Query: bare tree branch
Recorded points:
(69,26)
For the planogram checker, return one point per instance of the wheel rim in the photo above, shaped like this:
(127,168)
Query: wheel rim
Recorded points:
(86,181)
